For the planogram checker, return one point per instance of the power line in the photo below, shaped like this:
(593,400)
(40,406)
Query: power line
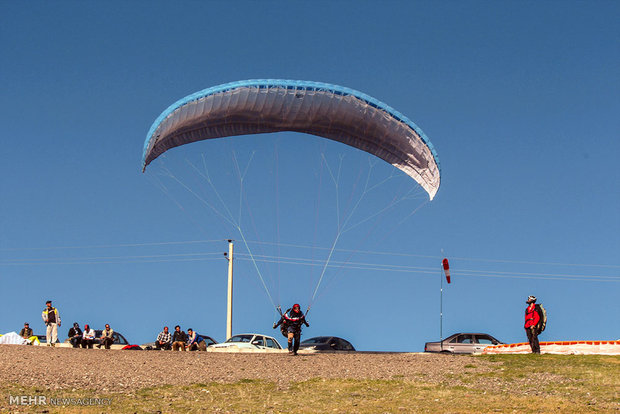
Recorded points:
(106,258)
(109,246)
(291,245)
(430,270)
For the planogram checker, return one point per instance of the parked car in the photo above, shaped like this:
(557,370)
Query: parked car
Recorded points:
(462,343)
(326,343)
(151,345)
(119,340)
(249,341)
(43,339)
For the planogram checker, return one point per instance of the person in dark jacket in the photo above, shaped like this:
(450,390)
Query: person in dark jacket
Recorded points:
(51,318)
(26,331)
(179,339)
(292,320)
(75,335)
(531,321)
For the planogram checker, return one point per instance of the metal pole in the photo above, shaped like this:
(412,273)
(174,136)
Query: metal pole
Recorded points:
(230,291)
(441,309)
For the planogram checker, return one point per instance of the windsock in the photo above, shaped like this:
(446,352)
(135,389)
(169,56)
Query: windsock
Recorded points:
(446,268)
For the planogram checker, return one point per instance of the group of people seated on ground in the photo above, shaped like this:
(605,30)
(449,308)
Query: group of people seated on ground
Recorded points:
(87,337)
(179,340)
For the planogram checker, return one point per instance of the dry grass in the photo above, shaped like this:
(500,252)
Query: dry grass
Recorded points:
(517,383)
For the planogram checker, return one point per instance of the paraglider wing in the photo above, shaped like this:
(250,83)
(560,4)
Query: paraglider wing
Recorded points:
(446,268)
(271,105)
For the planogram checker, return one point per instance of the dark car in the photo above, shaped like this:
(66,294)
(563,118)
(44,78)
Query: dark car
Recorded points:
(208,340)
(43,339)
(326,343)
(462,343)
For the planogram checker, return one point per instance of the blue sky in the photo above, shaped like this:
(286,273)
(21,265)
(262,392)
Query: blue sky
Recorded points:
(520,100)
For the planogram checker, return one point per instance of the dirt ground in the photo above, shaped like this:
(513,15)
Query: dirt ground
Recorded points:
(121,370)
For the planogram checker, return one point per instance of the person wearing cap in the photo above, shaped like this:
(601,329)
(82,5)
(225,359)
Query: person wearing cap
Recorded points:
(52,321)
(292,320)
(531,320)
(26,331)
(88,337)
(75,335)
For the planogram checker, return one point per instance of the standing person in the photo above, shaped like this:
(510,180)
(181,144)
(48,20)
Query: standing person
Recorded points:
(88,337)
(26,331)
(75,335)
(178,339)
(195,341)
(52,321)
(292,320)
(106,337)
(531,321)
(164,340)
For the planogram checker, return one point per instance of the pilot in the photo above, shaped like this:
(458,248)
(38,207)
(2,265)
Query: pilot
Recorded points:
(291,322)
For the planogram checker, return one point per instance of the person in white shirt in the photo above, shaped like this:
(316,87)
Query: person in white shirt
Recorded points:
(88,337)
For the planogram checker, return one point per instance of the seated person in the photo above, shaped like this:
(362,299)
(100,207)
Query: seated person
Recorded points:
(26,331)
(195,341)
(88,337)
(178,339)
(75,335)
(106,337)
(164,340)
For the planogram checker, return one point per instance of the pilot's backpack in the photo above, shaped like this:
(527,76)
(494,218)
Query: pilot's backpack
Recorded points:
(284,328)
(542,322)
(284,324)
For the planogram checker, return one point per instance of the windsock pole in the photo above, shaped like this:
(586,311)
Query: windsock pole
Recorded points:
(441,308)
(230,291)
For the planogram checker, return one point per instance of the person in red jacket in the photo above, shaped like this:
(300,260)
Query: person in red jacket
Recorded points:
(292,320)
(531,320)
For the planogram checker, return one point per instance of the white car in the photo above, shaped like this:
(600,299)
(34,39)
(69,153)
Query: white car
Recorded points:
(462,343)
(249,341)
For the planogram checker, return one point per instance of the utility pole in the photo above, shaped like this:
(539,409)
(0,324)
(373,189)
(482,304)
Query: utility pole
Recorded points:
(230,290)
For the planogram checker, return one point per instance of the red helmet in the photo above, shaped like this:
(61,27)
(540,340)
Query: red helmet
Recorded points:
(296,306)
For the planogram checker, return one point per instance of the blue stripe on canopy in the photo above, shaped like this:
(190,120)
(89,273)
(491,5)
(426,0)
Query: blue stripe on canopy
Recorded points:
(289,85)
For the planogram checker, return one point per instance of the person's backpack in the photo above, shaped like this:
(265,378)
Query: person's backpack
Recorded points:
(284,325)
(542,322)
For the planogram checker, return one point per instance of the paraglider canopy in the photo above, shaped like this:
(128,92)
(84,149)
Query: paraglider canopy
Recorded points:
(325,110)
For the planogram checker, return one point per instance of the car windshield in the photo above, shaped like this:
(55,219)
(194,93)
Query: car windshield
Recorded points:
(119,339)
(317,340)
(240,338)
(208,340)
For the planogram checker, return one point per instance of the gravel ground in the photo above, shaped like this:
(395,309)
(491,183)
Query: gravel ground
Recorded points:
(118,370)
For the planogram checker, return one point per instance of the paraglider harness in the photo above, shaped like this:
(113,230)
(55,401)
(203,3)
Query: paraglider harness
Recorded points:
(542,321)
(286,321)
